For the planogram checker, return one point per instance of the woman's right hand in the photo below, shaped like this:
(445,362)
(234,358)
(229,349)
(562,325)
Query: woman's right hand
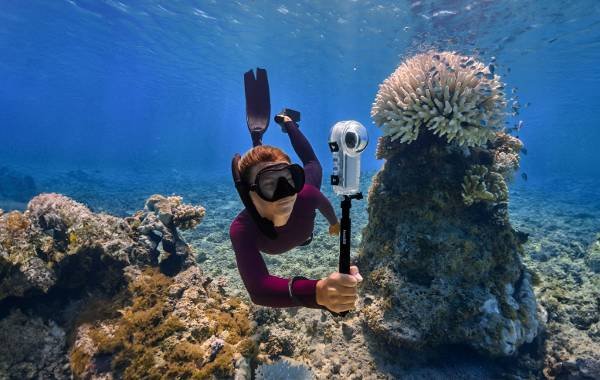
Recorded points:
(338,292)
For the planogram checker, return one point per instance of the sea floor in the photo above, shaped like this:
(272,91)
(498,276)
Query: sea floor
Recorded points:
(561,216)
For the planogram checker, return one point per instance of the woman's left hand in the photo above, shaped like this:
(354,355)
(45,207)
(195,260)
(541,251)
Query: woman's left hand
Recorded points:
(334,229)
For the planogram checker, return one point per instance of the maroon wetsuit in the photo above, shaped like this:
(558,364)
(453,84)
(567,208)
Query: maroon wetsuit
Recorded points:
(247,240)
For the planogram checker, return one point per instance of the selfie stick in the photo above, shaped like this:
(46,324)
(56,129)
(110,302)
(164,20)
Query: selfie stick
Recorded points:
(347,140)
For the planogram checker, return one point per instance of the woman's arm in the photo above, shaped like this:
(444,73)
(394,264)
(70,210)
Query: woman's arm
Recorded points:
(324,206)
(263,288)
(312,167)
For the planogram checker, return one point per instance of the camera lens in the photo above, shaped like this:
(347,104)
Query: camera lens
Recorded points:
(351,139)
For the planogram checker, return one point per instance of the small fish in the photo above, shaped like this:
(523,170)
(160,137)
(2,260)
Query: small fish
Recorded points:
(493,59)
(492,68)
(524,151)
(552,40)
(519,125)
(524,176)
(508,69)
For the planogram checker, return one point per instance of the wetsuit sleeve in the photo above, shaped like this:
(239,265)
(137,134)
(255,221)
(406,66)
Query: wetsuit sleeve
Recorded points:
(264,288)
(312,167)
(325,207)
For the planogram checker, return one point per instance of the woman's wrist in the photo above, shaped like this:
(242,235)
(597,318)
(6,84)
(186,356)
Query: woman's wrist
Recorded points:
(318,290)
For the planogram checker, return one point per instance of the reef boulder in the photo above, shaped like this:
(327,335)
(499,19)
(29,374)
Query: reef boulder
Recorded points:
(57,240)
(443,262)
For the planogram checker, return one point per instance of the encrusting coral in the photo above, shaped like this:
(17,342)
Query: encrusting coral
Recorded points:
(442,262)
(451,95)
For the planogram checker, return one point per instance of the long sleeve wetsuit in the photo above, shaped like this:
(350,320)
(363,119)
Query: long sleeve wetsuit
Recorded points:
(247,240)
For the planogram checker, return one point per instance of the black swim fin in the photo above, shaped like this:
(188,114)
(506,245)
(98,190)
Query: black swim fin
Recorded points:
(258,104)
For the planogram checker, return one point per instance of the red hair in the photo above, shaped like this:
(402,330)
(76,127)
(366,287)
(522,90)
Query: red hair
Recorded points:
(258,154)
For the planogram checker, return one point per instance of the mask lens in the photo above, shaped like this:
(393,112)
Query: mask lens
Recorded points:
(268,181)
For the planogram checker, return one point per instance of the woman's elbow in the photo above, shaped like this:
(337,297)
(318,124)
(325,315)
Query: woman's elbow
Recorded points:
(258,299)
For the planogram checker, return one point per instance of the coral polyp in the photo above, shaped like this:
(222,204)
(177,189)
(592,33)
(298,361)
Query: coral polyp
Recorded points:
(449,94)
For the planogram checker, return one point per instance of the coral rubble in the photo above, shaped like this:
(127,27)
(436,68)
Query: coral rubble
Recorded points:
(444,264)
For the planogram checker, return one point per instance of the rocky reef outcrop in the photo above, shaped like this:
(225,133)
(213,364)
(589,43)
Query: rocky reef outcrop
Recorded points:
(60,242)
(443,262)
(94,296)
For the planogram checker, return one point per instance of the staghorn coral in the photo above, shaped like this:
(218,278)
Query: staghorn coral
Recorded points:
(479,184)
(446,93)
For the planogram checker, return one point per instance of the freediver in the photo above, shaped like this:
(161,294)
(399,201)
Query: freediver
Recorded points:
(280,200)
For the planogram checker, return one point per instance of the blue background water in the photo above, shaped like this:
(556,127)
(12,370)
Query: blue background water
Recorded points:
(143,84)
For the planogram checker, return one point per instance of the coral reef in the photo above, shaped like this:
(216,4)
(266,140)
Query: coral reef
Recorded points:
(40,246)
(451,95)
(175,327)
(443,263)
(480,185)
(32,348)
(121,297)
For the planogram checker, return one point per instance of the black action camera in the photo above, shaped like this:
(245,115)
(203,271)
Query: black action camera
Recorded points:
(292,114)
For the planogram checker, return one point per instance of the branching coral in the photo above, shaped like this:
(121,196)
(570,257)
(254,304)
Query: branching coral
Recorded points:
(479,184)
(449,94)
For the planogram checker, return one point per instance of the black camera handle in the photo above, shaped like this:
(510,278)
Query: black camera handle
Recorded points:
(345,238)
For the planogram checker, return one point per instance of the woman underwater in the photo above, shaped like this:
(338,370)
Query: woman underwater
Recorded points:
(281,199)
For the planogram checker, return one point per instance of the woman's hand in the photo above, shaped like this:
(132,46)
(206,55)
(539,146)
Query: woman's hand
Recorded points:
(338,292)
(334,229)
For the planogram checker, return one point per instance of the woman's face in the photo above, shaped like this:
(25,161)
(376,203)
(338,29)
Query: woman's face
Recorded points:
(280,209)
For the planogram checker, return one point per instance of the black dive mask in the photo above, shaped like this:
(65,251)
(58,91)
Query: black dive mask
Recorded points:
(278,181)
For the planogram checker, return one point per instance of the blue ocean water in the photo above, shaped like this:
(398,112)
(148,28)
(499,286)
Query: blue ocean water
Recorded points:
(111,101)
(96,84)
